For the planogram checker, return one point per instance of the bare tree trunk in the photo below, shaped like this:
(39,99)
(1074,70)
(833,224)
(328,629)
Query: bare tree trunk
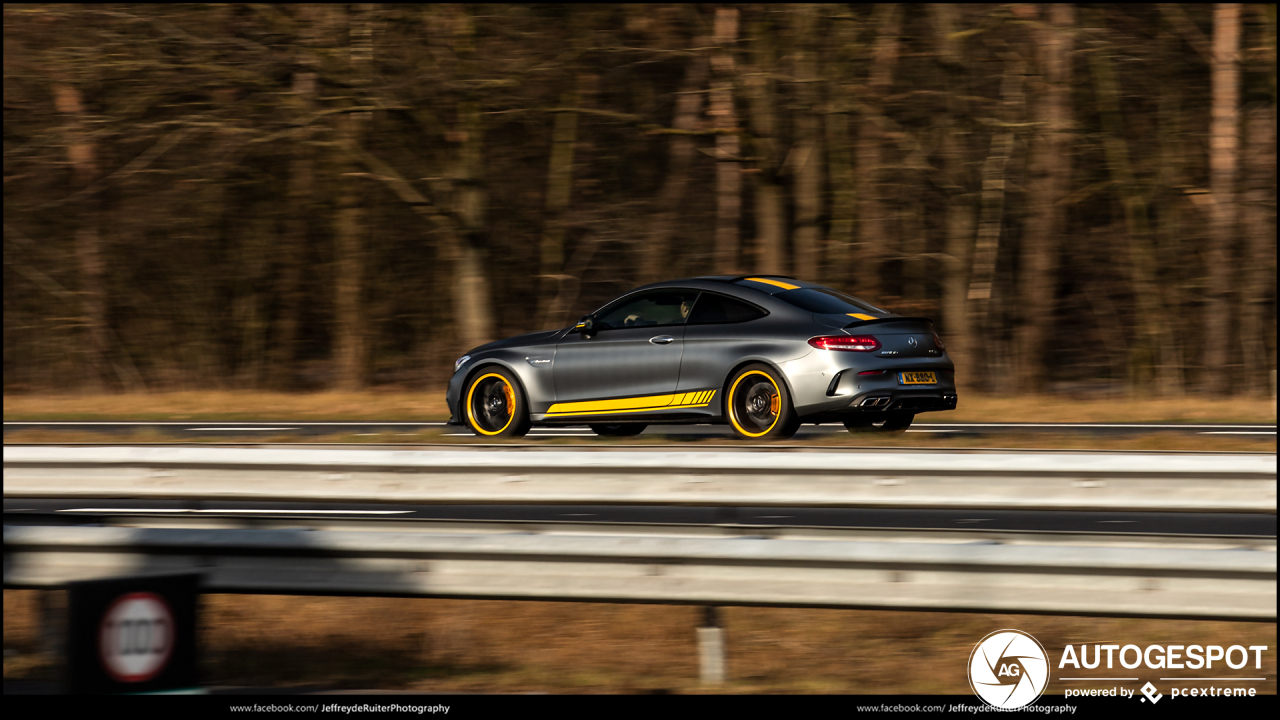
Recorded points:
(1170,243)
(807,165)
(1144,347)
(1259,254)
(657,255)
(728,169)
(350,342)
(961,218)
(844,185)
(1050,170)
(990,221)
(1223,148)
(559,192)
(470,201)
(872,237)
(293,244)
(770,215)
(843,198)
(349,264)
(88,244)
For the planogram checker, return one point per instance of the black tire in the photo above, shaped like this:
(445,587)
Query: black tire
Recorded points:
(621,430)
(758,405)
(493,405)
(893,424)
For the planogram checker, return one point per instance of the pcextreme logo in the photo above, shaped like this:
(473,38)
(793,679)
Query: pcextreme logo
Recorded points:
(1008,669)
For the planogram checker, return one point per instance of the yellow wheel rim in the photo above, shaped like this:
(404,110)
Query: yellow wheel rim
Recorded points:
(509,395)
(775,404)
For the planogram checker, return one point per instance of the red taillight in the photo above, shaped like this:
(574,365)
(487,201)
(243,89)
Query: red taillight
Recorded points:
(872,372)
(856,343)
(937,342)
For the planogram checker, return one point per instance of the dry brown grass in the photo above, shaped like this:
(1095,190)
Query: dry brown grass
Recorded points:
(429,405)
(443,645)
(231,405)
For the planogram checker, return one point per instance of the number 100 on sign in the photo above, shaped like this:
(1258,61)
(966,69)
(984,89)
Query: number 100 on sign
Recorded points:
(136,637)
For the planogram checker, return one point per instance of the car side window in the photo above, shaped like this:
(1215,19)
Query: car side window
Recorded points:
(655,308)
(713,309)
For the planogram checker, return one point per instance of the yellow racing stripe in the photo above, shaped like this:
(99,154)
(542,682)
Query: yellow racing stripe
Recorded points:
(635,404)
(777,283)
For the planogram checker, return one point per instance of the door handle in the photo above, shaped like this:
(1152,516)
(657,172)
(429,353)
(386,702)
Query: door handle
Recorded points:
(661,339)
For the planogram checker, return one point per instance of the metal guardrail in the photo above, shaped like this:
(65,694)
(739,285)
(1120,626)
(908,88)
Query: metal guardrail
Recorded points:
(992,480)
(1138,582)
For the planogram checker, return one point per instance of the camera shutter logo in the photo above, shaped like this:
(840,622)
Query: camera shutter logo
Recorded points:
(1008,669)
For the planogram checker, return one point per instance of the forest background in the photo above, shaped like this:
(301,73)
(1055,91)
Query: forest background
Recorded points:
(302,197)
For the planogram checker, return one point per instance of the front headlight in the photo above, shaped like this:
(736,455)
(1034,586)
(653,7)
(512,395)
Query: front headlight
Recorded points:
(457,364)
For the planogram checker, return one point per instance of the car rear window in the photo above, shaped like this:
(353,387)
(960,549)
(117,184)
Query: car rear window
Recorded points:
(826,301)
(718,309)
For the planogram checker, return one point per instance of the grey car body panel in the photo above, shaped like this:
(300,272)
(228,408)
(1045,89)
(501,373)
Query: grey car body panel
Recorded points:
(562,366)
(622,362)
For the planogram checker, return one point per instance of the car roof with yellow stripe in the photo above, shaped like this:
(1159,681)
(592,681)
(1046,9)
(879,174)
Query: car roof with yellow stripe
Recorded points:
(768,284)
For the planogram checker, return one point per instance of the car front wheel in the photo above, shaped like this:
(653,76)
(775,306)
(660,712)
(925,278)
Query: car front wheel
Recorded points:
(494,405)
(758,405)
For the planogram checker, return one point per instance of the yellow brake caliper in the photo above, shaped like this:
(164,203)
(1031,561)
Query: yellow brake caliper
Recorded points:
(511,397)
(775,403)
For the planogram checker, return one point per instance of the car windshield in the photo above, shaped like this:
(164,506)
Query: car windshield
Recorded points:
(826,301)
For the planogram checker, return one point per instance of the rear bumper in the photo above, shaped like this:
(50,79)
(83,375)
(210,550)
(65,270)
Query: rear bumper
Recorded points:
(880,403)
(915,401)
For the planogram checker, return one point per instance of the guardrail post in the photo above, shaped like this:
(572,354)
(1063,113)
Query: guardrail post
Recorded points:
(52,619)
(711,647)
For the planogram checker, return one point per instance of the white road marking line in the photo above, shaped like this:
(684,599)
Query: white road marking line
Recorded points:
(128,510)
(564,435)
(311,512)
(124,422)
(1189,426)
(1240,432)
(935,431)
(1194,679)
(277,512)
(240,429)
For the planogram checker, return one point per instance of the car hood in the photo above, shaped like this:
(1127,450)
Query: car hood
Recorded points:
(537,338)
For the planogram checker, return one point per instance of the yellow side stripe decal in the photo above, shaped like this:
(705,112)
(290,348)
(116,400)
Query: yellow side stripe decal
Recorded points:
(638,404)
(618,412)
(777,283)
(861,316)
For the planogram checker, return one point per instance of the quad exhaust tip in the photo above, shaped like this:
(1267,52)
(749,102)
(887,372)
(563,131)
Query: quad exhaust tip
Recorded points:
(874,402)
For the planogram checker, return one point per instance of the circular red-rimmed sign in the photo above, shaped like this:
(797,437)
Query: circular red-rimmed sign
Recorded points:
(136,637)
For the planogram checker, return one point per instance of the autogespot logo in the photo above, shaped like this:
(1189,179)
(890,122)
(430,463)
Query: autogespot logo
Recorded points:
(1009,669)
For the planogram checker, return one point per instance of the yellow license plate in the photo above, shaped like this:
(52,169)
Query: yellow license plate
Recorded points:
(917,378)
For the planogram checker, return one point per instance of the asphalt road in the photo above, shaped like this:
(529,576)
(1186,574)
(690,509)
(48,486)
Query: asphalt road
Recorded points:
(81,511)
(676,432)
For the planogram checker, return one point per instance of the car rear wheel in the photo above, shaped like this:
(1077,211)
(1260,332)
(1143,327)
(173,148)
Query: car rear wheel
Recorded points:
(758,405)
(494,405)
(893,424)
(620,430)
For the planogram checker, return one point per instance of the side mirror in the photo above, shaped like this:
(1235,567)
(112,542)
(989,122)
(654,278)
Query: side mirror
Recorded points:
(585,326)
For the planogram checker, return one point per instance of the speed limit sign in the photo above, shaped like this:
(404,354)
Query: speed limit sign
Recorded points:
(136,638)
(132,635)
